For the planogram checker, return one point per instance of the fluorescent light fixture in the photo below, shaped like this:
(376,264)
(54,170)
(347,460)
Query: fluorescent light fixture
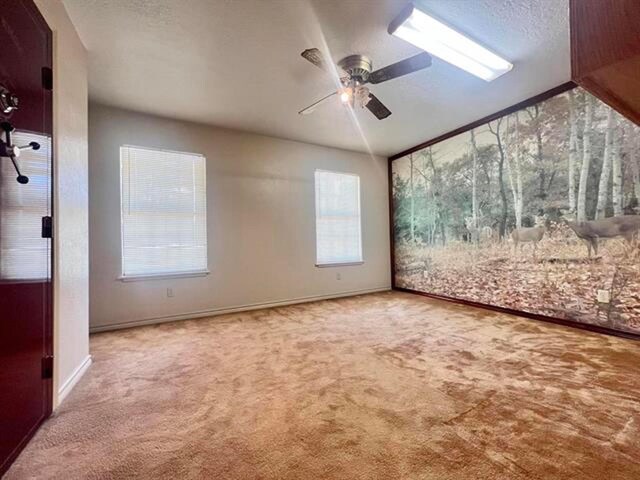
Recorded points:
(433,36)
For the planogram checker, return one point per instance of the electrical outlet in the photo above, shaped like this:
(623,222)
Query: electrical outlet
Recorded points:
(604,296)
(338,276)
(169,292)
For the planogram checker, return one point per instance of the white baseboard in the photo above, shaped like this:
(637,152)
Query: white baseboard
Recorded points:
(238,308)
(75,377)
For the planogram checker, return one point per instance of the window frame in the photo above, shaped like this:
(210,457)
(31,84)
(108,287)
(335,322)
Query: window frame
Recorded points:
(315,223)
(160,275)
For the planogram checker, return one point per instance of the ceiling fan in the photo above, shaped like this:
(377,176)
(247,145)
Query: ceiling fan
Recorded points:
(359,70)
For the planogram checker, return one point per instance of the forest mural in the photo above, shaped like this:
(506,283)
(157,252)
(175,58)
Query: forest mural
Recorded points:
(535,211)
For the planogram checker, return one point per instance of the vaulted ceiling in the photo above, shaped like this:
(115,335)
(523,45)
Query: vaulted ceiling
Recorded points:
(237,64)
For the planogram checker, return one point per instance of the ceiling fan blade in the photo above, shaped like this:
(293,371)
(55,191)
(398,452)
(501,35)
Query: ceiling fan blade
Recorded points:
(314,56)
(376,107)
(313,106)
(403,67)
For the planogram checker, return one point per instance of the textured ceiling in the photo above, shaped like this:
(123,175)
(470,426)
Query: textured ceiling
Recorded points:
(237,64)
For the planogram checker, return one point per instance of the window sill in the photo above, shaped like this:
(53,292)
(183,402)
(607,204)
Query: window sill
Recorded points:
(346,264)
(163,276)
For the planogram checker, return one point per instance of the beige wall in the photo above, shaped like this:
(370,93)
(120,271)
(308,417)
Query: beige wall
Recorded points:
(261,224)
(70,245)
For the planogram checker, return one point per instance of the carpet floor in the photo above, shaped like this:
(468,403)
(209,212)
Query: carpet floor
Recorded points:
(381,386)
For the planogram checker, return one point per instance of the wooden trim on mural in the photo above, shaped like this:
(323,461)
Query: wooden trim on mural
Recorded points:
(513,108)
(604,49)
(522,313)
(610,98)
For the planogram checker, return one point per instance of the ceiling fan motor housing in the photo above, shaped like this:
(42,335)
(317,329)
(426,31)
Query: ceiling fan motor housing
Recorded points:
(357,66)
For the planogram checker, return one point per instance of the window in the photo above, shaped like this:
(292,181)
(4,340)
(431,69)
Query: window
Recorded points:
(338,237)
(24,254)
(164,210)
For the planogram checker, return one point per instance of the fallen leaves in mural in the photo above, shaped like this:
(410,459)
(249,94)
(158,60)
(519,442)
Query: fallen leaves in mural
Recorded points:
(557,280)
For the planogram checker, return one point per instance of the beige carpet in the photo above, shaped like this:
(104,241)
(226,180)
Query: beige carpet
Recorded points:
(384,386)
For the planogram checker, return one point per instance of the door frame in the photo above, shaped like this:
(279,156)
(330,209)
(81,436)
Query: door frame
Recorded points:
(48,123)
(48,120)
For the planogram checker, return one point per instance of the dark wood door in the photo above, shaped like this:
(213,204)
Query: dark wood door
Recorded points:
(25,250)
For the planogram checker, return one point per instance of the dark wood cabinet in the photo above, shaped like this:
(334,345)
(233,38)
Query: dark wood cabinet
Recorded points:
(605,52)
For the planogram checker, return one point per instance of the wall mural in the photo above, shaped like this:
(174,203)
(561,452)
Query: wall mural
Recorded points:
(536,211)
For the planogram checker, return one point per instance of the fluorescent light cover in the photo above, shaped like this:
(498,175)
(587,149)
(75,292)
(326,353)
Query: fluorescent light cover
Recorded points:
(429,34)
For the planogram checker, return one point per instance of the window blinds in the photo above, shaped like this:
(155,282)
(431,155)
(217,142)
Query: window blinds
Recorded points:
(338,236)
(163,201)
(24,254)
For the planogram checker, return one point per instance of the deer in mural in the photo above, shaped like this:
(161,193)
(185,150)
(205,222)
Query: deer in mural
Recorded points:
(590,232)
(523,235)
(479,232)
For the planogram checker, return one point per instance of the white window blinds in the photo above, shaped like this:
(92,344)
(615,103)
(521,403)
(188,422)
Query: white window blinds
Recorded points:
(163,200)
(338,237)
(24,254)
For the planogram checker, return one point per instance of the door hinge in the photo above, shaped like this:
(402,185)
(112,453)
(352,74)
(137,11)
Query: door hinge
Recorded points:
(47,78)
(47,367)
(47,227)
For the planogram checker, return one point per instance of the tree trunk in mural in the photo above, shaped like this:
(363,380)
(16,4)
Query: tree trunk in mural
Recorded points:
(438,192)
(586,159)
(518,176)
(580,99)
(635,166)
(474,182)
(636,182)
(514,170)
(412,232)
(534,114)
(616,163)
(573,150)
(503,194)
(605,174)
(510,164)
(431,215)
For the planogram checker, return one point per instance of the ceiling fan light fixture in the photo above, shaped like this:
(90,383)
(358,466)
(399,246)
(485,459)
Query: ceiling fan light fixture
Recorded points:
(361,96)
(425,32)
(345,95)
